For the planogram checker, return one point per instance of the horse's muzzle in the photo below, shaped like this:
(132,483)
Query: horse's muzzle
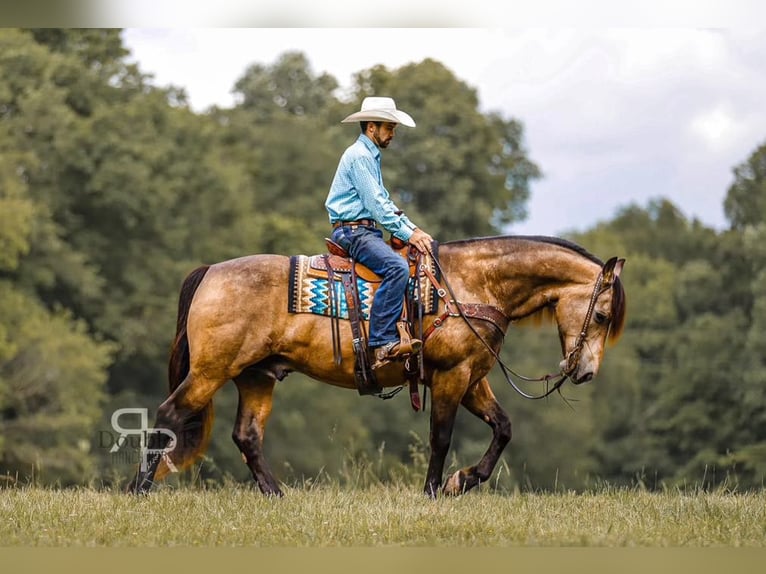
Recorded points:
(572,372)
(587,377)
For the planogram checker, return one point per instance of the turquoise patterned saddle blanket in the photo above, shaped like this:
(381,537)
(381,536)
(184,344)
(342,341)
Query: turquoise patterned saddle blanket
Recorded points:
(311,292)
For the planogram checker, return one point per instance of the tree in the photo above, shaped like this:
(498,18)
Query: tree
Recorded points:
(287,88)
(52,376)
(745,202)
(52,372)
(746,464)
(691,294)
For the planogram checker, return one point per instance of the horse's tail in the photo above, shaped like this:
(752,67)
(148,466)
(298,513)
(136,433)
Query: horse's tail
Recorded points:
(196,431)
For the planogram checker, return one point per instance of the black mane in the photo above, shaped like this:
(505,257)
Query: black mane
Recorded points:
(538,238)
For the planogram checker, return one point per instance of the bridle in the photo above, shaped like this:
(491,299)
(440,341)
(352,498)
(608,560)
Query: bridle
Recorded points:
(571,359)
(573,356)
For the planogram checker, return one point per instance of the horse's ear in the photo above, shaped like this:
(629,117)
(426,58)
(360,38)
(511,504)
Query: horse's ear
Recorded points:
(613,268)
(618,267)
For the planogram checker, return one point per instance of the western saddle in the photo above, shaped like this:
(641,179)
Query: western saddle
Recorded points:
(340,266)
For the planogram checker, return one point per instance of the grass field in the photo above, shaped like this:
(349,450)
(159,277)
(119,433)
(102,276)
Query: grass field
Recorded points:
(380,516)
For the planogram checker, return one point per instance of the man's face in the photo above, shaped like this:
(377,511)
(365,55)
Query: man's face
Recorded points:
(383,134)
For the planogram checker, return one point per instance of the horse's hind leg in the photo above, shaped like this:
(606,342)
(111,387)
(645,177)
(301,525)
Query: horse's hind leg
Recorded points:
(255,400)
(480,400)
(191,397)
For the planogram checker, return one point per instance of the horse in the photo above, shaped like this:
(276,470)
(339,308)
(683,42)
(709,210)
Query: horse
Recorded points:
(233,323)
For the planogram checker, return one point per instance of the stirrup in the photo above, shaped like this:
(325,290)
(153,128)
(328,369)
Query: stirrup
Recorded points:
(407,345)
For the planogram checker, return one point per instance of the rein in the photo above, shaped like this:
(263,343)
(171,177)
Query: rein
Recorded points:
(572,357)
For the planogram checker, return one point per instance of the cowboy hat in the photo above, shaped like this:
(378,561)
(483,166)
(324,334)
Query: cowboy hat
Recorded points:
(375,109)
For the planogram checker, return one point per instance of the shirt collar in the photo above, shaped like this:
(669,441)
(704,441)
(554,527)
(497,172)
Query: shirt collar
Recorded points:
(374,150)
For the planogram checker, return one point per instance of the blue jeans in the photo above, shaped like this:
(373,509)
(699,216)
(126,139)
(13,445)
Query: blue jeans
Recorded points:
(367,246)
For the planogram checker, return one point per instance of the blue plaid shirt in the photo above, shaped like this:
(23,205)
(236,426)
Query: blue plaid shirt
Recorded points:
(357,191)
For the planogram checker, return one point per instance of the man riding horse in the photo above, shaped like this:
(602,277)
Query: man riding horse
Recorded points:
(236,323)
(359,205)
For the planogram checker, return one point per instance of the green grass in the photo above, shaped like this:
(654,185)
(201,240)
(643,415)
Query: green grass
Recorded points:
(331,516)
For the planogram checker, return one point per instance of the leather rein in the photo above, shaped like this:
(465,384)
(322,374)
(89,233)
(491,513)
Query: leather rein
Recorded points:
(495,316)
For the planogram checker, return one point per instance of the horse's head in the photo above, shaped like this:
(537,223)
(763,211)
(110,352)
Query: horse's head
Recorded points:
(588,316)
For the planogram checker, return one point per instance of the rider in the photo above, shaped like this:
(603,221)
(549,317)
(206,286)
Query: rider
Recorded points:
(359,205)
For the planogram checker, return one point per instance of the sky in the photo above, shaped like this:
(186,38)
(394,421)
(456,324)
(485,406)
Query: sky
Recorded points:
(613,115)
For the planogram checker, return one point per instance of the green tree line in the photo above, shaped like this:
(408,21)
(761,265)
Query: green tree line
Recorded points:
(112,189)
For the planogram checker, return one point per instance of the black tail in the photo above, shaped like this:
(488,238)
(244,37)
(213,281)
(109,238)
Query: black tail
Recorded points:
(196,434)
(178,367)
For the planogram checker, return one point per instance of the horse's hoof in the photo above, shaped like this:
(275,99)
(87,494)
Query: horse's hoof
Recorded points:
(139,491)
(271,490)
(455,485)
(431,491)
(138,486)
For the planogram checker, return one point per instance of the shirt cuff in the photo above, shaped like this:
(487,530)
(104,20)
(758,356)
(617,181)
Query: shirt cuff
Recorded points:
(404,233)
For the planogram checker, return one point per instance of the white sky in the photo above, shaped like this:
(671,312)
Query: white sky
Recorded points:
(612,115)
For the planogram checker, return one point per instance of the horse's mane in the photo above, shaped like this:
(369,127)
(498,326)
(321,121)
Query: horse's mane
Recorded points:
(534,238)
(546,313)
(618,311)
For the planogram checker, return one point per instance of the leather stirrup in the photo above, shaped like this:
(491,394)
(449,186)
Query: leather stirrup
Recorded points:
(405,340)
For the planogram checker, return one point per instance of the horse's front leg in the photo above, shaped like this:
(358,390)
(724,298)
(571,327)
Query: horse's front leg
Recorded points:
(480,400)
(447,390)
(255,401)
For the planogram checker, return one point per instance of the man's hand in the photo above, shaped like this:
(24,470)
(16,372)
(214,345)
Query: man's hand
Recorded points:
(421,240)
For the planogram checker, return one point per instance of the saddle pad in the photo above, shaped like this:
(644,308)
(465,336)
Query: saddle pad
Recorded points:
(309,291)
(311,294)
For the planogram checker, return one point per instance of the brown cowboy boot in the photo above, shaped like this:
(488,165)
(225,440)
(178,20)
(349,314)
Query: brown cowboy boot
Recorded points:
(397,350)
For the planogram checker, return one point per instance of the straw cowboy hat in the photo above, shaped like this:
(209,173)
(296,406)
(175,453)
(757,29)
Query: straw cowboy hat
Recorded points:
(375,109)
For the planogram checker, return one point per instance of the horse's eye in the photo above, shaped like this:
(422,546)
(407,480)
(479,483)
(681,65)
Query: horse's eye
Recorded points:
(600,318)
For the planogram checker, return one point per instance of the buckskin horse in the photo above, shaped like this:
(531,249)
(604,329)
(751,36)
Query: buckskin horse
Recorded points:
(233,324)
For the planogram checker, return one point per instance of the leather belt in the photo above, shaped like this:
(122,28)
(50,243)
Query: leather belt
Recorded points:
(363,222)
